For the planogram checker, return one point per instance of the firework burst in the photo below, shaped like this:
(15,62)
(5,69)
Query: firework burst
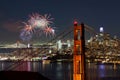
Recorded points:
(28,28)
(26,32)
(49,31)
(25,35)
(37,24)
(38,21)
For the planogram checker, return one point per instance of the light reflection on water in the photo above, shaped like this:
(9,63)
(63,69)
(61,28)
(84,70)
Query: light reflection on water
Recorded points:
(64,70)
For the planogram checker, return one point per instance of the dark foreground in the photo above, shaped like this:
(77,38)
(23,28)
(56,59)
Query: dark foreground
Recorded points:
(21,75)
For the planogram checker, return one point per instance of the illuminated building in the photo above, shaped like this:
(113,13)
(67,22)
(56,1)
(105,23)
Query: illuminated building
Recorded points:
(59,45)
(68,43)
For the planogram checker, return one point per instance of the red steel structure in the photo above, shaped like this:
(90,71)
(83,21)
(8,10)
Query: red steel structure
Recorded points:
(79,52)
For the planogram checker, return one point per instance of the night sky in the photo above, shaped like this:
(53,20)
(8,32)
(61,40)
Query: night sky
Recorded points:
(95,13)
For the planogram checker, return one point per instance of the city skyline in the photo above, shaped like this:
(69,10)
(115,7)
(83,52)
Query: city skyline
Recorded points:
(93,13)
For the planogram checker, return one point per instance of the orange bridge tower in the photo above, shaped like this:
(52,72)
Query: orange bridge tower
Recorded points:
(79,52)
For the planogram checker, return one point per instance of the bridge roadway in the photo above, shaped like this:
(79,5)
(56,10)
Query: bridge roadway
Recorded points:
(24,53)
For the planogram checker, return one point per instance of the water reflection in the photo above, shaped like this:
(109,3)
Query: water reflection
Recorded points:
(102,72)
(64,70)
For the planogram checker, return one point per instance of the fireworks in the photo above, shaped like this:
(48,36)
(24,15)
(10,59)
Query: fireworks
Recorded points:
(25,35)
(39,21)
(37,24)
(28,28)
(49,30)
